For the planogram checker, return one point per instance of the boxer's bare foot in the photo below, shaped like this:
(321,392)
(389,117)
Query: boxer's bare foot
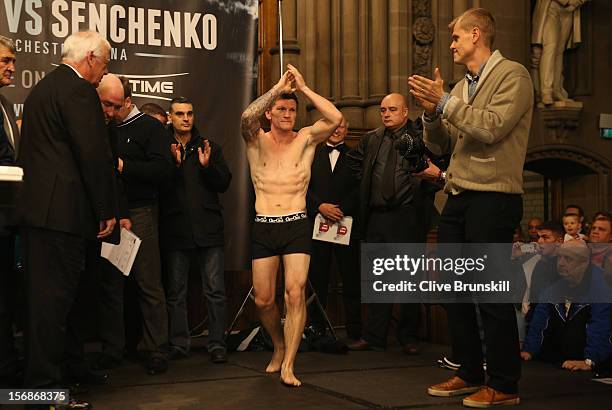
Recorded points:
(276,362)
(288,378)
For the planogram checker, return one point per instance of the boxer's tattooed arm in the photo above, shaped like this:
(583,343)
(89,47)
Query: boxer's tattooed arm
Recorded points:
(249,122)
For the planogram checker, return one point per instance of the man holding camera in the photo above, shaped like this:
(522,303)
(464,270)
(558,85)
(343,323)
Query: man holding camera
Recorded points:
(394,207)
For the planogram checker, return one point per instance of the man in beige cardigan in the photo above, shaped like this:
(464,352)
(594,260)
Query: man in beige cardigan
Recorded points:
(484,122)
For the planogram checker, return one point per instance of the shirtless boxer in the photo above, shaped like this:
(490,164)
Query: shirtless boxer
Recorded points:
(280,163)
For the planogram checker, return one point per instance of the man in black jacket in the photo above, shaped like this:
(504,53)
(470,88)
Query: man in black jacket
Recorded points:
(67,196)
(334,193)
(144,164)
(9,140)
(396,207)
(191,224)
(9,133)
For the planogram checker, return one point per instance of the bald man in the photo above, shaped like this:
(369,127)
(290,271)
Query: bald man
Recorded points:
(573,327)
(108,280)
(100,277)
(395,207)
(111,96)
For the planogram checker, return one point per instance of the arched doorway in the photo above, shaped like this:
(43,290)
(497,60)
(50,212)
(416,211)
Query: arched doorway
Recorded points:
(569,175)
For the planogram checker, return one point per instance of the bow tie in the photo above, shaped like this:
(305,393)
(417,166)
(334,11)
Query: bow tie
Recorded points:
(340,148)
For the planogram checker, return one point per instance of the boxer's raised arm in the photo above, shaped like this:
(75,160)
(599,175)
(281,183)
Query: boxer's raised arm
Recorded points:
(249,123)
(323,128)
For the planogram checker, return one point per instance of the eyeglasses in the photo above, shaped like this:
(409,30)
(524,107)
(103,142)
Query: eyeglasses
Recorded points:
(104,61)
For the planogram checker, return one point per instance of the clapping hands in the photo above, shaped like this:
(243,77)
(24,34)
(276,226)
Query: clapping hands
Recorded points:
(291,81)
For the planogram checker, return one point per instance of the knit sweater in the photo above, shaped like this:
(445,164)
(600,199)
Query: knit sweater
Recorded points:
(488,132)
(146,159)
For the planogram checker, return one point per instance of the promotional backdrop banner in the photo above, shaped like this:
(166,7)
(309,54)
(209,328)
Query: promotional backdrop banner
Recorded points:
(204,50)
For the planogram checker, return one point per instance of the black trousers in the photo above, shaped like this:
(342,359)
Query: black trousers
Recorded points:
(96,314)
(483,217)
(347,260)
(53,262)
(111,329)
(146,272)
(400,225)
(9,289)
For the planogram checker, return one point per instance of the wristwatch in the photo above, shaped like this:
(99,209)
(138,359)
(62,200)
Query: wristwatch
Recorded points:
(589,363)
(442,177)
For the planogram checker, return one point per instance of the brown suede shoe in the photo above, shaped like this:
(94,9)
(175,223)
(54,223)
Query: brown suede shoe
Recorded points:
(361,345)
(411,349)
(452,387)
(487,397)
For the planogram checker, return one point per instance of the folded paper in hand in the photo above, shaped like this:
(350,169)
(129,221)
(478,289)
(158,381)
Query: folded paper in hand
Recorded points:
(122,255)
(338,232)
(11,173)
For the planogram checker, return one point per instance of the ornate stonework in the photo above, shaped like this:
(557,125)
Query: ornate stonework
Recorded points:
(421,8)
(560,124)
(573,154)
(423,32)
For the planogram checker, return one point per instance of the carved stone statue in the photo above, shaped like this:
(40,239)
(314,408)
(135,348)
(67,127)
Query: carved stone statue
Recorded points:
(555,28)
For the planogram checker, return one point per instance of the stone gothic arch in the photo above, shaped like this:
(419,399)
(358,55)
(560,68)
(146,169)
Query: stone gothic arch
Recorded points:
(565,158)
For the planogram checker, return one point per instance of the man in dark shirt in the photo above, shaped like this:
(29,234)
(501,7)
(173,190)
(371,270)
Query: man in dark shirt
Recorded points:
(395,208)
(144,163)
(191,224)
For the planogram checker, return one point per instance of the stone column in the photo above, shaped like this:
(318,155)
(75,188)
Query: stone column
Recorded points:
(399,45)
(317,60)
(377,60)
(349,49)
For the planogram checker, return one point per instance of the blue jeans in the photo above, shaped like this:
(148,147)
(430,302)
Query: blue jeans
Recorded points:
(213,284)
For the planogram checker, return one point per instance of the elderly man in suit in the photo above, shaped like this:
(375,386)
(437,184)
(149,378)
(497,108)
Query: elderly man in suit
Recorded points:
(68,195)
(9,132)
(9,140)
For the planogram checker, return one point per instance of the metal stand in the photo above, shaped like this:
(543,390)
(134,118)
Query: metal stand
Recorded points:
(195,331)
(280,37)
(313,298)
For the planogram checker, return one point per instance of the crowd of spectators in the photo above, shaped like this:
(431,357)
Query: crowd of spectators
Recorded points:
(572,260)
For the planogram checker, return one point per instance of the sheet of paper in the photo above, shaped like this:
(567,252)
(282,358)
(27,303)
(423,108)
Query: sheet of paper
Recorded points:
(11,173)
(122,255)
(339,232)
